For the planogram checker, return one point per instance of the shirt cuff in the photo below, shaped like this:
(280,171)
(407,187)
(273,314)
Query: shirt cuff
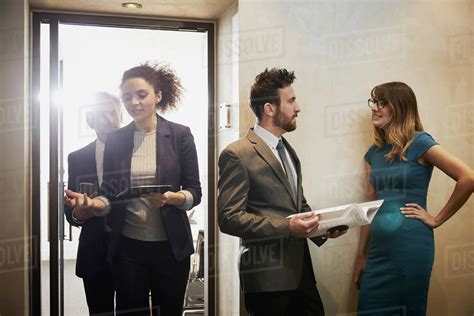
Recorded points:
(75,219)
(107,209)
(188,201)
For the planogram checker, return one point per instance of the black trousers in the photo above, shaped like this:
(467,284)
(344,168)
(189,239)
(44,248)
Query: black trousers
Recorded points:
(303,301)
(144,267)
(100,292)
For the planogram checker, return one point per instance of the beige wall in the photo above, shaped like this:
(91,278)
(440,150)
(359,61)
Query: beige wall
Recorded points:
(14,185)
(228,290)
(339,51)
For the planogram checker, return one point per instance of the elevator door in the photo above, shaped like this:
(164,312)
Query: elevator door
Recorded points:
(76,60)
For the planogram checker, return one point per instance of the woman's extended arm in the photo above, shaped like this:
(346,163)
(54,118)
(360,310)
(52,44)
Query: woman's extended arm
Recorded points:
(84,206)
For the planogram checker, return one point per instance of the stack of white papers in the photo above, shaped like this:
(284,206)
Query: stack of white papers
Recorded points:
(351,215)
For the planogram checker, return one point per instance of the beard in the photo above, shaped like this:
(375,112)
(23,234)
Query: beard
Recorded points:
(285,123)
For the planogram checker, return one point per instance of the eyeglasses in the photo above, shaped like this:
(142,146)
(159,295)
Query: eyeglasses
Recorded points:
(379,103)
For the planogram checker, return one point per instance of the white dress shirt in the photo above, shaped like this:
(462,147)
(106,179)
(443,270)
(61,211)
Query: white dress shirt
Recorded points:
(99,160)
(272,142)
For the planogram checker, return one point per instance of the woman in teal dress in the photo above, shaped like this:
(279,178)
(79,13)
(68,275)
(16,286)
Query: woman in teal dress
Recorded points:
(396,252)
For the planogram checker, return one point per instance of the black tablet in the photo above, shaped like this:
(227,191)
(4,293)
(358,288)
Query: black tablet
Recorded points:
(139,190)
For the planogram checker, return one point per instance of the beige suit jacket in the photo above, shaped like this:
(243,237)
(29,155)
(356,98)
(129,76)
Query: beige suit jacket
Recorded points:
(255,197)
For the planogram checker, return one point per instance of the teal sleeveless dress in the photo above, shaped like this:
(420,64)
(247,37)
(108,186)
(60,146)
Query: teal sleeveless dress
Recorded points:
(401,251)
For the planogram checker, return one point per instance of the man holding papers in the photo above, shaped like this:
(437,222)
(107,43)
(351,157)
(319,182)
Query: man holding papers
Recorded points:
(260,185)
(85,168)
(347,216)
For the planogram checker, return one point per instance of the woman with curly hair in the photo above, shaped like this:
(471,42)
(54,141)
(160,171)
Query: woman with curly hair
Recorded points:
(151,239)
(396,252)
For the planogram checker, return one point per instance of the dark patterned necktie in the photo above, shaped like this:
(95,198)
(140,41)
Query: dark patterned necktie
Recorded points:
(286,165)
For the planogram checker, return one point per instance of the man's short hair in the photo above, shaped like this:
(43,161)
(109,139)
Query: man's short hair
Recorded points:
(95,106)
(265,88)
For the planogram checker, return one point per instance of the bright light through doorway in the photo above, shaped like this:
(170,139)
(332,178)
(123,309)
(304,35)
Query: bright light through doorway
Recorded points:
(94,59)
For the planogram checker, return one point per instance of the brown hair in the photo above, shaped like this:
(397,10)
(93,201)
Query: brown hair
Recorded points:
(405,119)
(265,88)
(162,78)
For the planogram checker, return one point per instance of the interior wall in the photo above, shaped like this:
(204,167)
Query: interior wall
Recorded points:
(340,50)
(14,185)
(228,290)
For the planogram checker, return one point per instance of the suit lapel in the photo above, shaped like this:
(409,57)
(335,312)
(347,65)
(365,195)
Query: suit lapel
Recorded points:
(127,151)
(88,165)
(163,149)
(92,164)
(266,153)
(297,164)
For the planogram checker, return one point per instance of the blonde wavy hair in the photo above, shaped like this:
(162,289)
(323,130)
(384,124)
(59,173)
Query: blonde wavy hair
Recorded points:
(405,121)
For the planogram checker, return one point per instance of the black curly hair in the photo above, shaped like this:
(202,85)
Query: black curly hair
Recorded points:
(162,78)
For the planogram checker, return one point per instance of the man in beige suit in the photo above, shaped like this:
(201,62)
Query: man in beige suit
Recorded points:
(259,187)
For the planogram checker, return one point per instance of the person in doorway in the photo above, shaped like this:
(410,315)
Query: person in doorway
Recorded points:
(260,185)
(151,241)
(85,169)
(396,252)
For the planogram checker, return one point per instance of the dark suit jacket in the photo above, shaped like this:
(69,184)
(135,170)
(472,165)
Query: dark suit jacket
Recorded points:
(176,164)
(93,241)
(254,200)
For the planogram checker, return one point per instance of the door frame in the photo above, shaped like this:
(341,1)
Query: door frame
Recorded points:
(39,17)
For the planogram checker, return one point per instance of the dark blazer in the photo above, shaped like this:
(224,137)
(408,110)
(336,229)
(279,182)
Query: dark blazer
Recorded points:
(176,164)
(254,200)
(93,241)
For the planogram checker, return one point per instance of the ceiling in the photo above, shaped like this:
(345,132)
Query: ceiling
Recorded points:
(187,9)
